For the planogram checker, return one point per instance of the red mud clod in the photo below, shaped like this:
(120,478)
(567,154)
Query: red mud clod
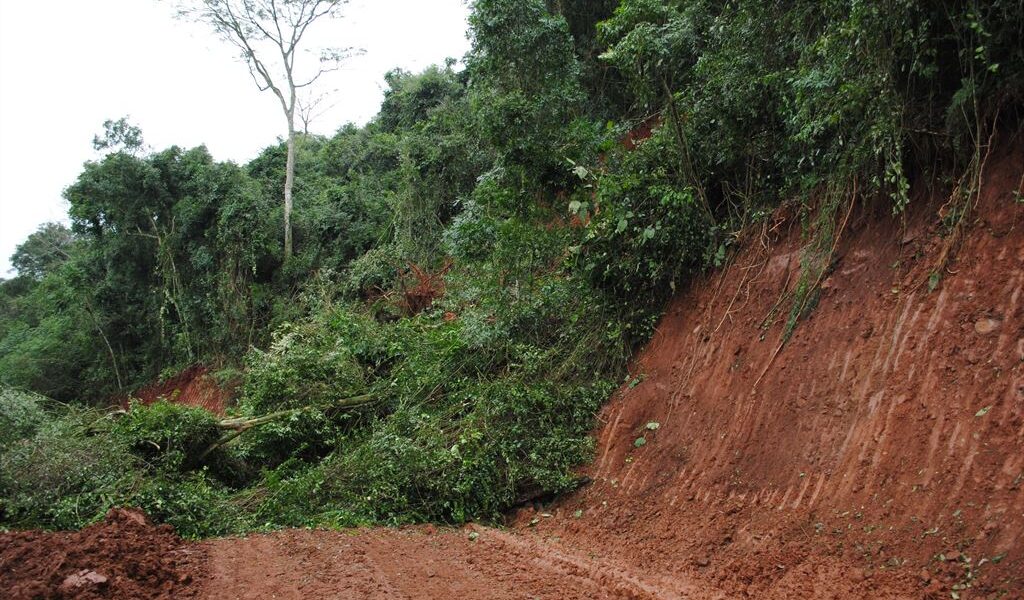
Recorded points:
(124,556)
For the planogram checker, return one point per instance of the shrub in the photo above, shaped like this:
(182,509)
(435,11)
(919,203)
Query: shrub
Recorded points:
(195,504)
(647,229)
(21,415)
(469,456)
(309,366)
(167,437)
(291,495)
(64,477)
(372,273)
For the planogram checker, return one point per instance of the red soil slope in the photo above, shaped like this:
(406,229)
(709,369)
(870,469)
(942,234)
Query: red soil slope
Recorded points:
(192,387)
(881,453)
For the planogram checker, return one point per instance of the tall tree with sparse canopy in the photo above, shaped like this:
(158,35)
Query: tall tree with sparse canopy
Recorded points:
(269,34)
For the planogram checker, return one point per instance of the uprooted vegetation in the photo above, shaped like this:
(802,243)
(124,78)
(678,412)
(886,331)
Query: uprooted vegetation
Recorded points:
(474,266)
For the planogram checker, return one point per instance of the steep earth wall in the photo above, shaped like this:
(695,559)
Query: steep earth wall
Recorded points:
(879,453)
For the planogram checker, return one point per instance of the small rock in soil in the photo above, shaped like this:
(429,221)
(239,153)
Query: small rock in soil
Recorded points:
(83,578)
(986,326)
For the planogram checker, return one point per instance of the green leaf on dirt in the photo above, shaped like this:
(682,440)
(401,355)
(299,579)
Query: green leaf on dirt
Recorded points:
(640,441)
(578,513)
(983,412)
(653,426)
(998,558)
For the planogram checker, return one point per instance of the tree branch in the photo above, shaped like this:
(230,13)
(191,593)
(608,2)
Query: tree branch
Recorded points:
(240,425)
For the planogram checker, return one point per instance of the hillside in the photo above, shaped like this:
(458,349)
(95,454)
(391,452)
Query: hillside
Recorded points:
(877,454)
(887,432)
(638,298)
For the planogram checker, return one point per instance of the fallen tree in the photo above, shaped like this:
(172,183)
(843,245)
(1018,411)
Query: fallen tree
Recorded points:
(236,426)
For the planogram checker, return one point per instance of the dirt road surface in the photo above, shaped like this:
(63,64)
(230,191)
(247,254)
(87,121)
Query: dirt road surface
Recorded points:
(417,563)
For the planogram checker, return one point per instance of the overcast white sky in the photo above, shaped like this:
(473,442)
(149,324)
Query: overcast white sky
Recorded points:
(68,65)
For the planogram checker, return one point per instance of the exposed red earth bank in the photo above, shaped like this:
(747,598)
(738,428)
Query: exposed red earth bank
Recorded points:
(881,452)
(877,454)
(195,386)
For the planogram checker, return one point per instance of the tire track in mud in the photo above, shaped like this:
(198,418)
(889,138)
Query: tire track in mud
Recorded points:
(613,579)
(461,564)
(418,563)
(293,564)
(378,574)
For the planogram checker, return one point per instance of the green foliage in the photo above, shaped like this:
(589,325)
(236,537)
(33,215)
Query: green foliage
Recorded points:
(119,135)
(174,242)
(372,273)
(63,476)
(835,89)
(653,43)
(48,336)
(195,504)
(590,158)
(43,251)
(291,495)
(66,470)
(21,415)
(314,364)
(341,204)
(305,365)
(468,415)
(440,160)
(166,437)
(602,84)
(647,230)
(411,99)
(525,86)
(466,457)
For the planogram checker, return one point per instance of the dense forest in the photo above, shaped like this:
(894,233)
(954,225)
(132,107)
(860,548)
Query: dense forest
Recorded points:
(473,267)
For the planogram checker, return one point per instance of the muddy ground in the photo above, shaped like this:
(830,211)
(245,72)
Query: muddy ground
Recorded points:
(877,454)
(124,556)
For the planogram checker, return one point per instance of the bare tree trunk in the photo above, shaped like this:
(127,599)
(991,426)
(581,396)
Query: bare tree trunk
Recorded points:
(103,336)
(289,180)
(252,25)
